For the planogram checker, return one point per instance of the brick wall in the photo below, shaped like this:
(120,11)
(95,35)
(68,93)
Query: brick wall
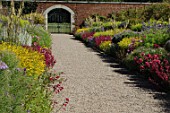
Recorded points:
(83,10)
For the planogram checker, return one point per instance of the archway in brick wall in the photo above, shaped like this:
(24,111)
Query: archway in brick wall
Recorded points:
(59,19)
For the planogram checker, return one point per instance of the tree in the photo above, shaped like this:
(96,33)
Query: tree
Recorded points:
(29,6)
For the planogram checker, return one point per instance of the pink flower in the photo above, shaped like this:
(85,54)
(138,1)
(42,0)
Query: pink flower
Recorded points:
(135,58)
(149,56)
(140,60)
(157,61)
(147,64)
(142,54)
(156,46)
(155,56)
(35,44)
(51,78)
(166,62)
(142,67)
(145,57)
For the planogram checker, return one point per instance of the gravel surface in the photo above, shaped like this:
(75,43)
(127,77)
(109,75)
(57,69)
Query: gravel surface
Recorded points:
(96,84)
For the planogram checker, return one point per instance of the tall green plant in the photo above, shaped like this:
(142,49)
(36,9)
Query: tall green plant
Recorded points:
(13,23)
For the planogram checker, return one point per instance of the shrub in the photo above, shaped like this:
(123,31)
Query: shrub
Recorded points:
(152,37)
(41,36)
(35,18)
(136,27)
(87,35)
(9,58)
(100,39)
(49,58)
(124,43)
(129,44)
(14,88)
(129,60)
(153,11)
(82,30)
(108,33)
(105,46)
(155,67)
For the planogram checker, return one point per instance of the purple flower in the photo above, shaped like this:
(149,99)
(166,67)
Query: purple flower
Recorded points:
(3,66)
(28,111)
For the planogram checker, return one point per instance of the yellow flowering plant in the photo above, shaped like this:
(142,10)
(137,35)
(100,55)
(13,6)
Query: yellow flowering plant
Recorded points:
(105,46)
(82,30)
(108,32)
(124,44)
(31,60)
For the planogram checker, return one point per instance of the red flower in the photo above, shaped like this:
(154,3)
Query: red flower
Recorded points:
(135,58)
(67,99)
(142,67)
(166,78)
(51,78)
(155,56)
(57,77)
(149,56)
(140,60)
(166,62)
(147,64)
(142,54)
(156,46)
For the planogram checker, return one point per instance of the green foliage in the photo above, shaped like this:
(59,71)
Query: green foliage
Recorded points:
(9,58)
(129,60)
(97,24)
(153,11)
(42,36)
(14,88)
(20,93)
(38,100)
(23,23)
(138,15)
(108,32)
(36,18)
(137,27)
(155,36)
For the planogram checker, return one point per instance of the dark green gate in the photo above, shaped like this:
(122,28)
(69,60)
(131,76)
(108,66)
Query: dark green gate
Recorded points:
(59,21)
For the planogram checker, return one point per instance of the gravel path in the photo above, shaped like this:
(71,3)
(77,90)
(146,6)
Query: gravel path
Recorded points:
(96,86)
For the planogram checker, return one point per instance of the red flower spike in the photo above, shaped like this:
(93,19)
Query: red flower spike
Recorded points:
(51,78)
(58,85)
(67,99)
(57,77)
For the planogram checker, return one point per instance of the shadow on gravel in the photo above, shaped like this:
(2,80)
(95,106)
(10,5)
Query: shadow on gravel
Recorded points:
(134,79)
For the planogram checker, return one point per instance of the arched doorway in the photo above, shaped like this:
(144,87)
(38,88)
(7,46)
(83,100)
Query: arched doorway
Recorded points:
(59,19)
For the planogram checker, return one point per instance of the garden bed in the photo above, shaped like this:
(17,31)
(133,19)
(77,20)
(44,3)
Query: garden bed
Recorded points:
(142,47)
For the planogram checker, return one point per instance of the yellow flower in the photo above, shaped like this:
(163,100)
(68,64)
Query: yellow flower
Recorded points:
(29,59)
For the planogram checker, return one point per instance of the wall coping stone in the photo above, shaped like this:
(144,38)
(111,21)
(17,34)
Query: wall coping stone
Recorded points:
(95,2)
